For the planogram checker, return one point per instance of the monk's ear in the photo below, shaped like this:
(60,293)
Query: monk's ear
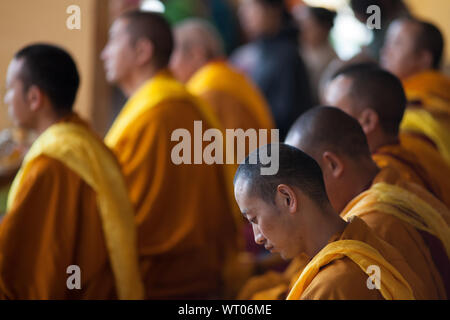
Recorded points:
(35,98)
(369,120)
(286,198)
(333,164)
(144,51)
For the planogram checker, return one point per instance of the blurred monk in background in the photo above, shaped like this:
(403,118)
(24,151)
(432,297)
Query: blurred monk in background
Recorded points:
(377,100)
(413,52)
(199,61)
(68,205)
(186,229)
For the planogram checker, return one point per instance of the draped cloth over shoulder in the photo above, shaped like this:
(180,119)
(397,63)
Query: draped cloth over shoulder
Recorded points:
(404,205)
(219,79)
(82,152)
(429,113)
(393,285)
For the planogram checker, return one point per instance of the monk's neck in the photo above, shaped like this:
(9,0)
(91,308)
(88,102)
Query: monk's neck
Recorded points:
(137,79)
(367,176)
(381,141)
(45,122)
(362,178)
(330,224)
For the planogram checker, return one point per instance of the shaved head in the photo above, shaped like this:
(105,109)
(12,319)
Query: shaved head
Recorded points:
(366,86)
(296,169)
(328,128)
(427,37)
(197,42)
(412,46)
(338,144)
(153,27)
(200,33)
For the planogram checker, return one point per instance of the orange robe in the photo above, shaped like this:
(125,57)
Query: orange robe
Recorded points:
(428,113)
(183,213)
(54,223)
(273,285)
(236,101)
(343,279)
(422,256)
(416,161)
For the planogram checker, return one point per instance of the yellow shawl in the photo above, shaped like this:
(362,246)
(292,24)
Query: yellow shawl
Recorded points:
(220,76)
(431,88)
(80,151)
(163,87)
(393,285)
(421,120)
(405,205)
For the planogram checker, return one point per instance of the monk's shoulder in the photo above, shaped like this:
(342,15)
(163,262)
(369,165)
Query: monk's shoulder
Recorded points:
(45,168)
(342,279)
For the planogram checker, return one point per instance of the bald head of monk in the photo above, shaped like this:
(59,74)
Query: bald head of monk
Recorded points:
(42,83)
(197,42)
(338,144)
(289,211)
(140,45)
(412,46)
(374,97)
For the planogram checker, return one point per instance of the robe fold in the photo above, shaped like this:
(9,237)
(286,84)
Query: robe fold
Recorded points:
(64,211)
(393,208)
(273,285)
(428,113)
(341,270)
(186,226)
(416,161)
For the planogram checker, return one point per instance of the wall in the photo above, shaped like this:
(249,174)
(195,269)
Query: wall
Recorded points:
(27,21)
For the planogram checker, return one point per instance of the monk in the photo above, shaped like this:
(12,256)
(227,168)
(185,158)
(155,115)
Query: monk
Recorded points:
(183,212)
(396,210)
(377,100)
(199,61)
(413,52)
(69,230)
(290,214)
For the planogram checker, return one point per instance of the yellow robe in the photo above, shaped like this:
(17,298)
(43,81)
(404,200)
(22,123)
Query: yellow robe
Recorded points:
(236,101)
(340,269)
(62,211)
(429,109)
(416,161)
(183,212)
(397,214)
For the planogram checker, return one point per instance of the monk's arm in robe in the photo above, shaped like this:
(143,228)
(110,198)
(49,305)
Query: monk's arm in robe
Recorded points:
(54,223)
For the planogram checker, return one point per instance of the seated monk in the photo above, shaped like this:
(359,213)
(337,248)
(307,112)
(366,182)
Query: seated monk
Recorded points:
(356,186)
(186,230)
(68,206)
(413,52)
(199,61)
(377,100)
(290,214)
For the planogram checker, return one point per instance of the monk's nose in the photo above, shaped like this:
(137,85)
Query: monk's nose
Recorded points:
(259,238)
